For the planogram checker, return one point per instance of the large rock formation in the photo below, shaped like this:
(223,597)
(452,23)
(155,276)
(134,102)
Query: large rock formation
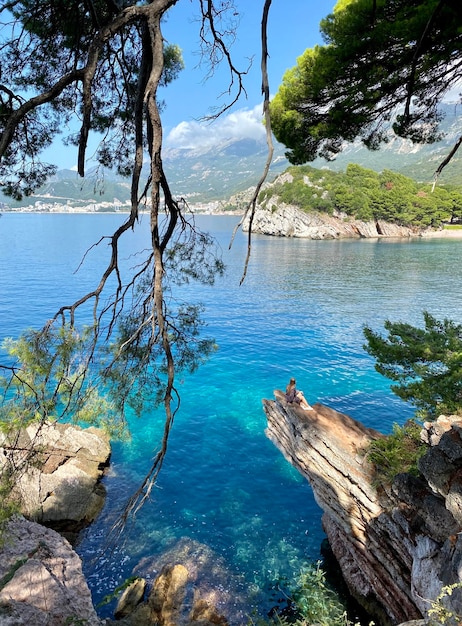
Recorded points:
(397,547)
(283,220)
(58,468)
(279,219)
(41,580)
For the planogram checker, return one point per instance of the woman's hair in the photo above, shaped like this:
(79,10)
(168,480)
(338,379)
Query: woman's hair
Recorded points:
(292,381)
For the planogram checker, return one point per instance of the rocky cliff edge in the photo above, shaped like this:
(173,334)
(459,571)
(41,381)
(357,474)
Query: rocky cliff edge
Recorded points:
(397,547)
(279,219)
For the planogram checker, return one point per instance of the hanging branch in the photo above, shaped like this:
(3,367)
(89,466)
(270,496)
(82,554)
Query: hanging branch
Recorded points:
(250,210)
(144,340)
(217,49)
(446,161)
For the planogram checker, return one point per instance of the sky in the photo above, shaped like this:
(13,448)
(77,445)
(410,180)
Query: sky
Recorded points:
(293,26)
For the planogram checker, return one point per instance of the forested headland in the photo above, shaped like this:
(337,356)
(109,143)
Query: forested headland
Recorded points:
(367,195)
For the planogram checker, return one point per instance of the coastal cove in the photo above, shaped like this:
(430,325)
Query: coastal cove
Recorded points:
(300,312)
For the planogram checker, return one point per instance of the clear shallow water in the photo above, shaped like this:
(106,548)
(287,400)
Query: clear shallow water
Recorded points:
(300,312)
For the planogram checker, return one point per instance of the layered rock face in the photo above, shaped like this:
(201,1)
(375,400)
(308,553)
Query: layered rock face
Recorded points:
(282,220)
(397,548)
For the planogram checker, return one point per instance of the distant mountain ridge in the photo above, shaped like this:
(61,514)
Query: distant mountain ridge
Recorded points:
(216,172)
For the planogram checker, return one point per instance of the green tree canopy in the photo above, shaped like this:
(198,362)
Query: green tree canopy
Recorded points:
(425,364)
(383,61)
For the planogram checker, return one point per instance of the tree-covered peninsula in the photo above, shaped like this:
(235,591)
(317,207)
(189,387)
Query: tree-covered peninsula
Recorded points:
(367,195)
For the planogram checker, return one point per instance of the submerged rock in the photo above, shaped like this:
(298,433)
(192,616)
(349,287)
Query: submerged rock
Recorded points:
(131,598)
(191,587)
(397,548)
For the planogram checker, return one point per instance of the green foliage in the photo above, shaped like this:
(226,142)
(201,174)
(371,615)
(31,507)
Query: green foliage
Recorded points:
(49,380)
(424,363)
(397,453)
(366,195)
(312,601)
(441,611)
(112,596)
(352,86)
(315,600)
(46,46)
(8,505)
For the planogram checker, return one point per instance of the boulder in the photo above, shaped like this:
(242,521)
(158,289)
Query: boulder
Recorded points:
(60,467)
(396,547)
(130,598)
(41,580)
(172,601)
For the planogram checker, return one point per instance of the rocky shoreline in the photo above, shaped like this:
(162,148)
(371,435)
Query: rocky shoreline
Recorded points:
(277,219)
(397,547)
(58,470)
(60,467)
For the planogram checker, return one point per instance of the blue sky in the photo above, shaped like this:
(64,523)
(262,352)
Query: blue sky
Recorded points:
(293,26)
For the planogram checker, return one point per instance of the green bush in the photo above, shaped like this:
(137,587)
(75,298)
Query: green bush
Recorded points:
(440,611)
(311,601)
(397,453)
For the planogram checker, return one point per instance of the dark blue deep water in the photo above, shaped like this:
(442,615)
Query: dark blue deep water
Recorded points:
(224,490)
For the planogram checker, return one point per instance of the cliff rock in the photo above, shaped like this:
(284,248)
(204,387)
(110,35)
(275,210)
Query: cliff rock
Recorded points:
(41,580)
(396,547)
(60,467)
(283,220)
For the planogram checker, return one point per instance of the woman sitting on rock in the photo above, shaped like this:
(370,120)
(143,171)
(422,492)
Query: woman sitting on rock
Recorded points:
(293,395)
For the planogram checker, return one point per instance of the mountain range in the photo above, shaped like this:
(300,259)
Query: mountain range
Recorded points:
(206,174)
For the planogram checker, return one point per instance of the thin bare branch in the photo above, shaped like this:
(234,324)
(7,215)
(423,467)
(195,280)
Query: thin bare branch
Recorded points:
(216,49)
(250,210)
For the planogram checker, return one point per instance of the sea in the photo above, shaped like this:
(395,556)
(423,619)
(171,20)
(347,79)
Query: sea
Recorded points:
(226,498)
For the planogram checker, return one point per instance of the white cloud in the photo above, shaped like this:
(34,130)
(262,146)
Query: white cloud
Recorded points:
(242,124)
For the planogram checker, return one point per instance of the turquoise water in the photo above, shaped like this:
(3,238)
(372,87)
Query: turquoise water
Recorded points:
(225,491)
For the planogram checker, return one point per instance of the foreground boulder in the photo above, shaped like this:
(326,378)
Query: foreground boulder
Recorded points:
(41,580)
(58,471)
(397,547)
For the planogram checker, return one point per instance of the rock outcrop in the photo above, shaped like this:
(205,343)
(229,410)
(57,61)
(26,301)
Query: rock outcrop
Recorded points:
(397,547)
(41,580)
(282,220)
(58,472)
(169,603)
